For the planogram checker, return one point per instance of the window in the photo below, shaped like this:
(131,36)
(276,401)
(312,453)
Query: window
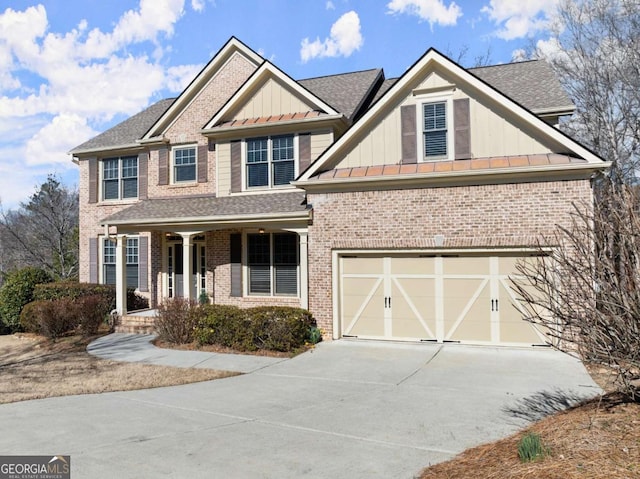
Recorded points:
(109,262)
(272,263)
(184,164)
(270,161)
(435,130)
(120,178)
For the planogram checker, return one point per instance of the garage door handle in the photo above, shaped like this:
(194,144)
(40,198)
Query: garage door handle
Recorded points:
(492,305)
(496,305)
(387,301)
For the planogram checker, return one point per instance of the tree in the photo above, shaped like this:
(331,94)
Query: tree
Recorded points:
(43,232)
(595,50)
(586,294)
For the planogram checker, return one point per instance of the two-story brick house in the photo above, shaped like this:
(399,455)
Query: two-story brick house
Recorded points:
(392,209)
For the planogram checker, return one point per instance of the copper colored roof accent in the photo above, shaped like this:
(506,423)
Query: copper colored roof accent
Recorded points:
(476,164)
(303,115)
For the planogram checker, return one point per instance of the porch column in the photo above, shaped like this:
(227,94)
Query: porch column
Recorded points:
(304,270)
(187,265)
(121,274)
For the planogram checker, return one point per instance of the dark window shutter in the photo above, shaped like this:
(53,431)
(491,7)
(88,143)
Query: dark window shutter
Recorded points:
(462,129)
(93,260)
(93,180)
(408,127)
(235,249)
(304,152)
(211,145)
(202,163)
(143,259)
(163,166)
(143,169)
(236,166)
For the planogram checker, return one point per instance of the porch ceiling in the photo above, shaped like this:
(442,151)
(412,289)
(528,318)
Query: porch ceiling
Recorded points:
(210,209)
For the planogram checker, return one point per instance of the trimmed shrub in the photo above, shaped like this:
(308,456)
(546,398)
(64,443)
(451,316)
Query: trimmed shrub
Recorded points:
(91,312)
(274,328)
(280,328)
(177,320)
(51,318)
(73,290)
(227,326)
(16,292)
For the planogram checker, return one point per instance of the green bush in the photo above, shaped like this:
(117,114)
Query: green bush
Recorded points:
(18,290)
(74,290)
(530,447)
(274,328)
(226,326)
(177,320)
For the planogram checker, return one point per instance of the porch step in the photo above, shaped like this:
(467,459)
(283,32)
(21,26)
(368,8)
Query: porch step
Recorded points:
(136,324)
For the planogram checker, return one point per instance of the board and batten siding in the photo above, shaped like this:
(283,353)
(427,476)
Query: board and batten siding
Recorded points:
(494,131)
(272,98)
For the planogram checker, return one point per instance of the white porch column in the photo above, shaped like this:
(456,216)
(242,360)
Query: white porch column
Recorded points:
(121,274)
(304,270)
(187,264)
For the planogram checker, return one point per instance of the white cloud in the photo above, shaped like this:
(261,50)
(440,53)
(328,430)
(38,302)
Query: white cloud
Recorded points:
(58,88)
(432,11)
(522,18)
(197,5)
(329,5)
(345,38)
(51,144)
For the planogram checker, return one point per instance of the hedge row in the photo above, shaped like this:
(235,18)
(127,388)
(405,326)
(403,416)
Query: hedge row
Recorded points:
(59,308)
(274,328)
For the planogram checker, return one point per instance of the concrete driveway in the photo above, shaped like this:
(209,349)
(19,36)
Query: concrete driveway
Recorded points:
(346,409)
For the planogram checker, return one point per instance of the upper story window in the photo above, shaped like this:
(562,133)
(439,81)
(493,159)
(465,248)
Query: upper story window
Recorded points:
(434,130)
(120,178)
(270,161)
(184,164)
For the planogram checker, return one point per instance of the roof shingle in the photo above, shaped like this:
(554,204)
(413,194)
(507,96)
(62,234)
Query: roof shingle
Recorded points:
(186,209)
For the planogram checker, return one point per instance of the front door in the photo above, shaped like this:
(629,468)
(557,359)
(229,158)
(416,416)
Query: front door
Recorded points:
(176,269)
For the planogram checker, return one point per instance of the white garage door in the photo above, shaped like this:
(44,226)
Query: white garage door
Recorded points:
(434,298)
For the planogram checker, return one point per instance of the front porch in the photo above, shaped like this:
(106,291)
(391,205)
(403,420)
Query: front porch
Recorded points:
(241,259)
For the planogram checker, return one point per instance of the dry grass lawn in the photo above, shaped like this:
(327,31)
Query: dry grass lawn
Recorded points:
(596,440)
(32,367)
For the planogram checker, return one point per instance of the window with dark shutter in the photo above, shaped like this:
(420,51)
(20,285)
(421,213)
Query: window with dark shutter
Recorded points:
(272,263)
(462,129)
(409,143)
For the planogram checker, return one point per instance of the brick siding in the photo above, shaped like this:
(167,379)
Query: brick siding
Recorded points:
(488,216)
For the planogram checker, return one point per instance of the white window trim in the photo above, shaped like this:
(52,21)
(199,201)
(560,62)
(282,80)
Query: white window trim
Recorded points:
(172,168)
(296,162)
(101,262)
(437,97)
(101,180)
(245,267)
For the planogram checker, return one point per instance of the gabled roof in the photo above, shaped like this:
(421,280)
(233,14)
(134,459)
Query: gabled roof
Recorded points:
(533,84)
(265,72)
(347,92)
(127,133)
(230,48)
(420,69)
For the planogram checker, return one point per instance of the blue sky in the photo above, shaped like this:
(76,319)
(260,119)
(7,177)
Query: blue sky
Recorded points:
(70,69)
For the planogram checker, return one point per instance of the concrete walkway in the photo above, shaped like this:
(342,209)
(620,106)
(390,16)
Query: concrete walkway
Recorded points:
(346,409)
(139,348)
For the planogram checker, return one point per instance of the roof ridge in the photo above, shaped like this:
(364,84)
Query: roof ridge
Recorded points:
(340,74)
(508,63)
